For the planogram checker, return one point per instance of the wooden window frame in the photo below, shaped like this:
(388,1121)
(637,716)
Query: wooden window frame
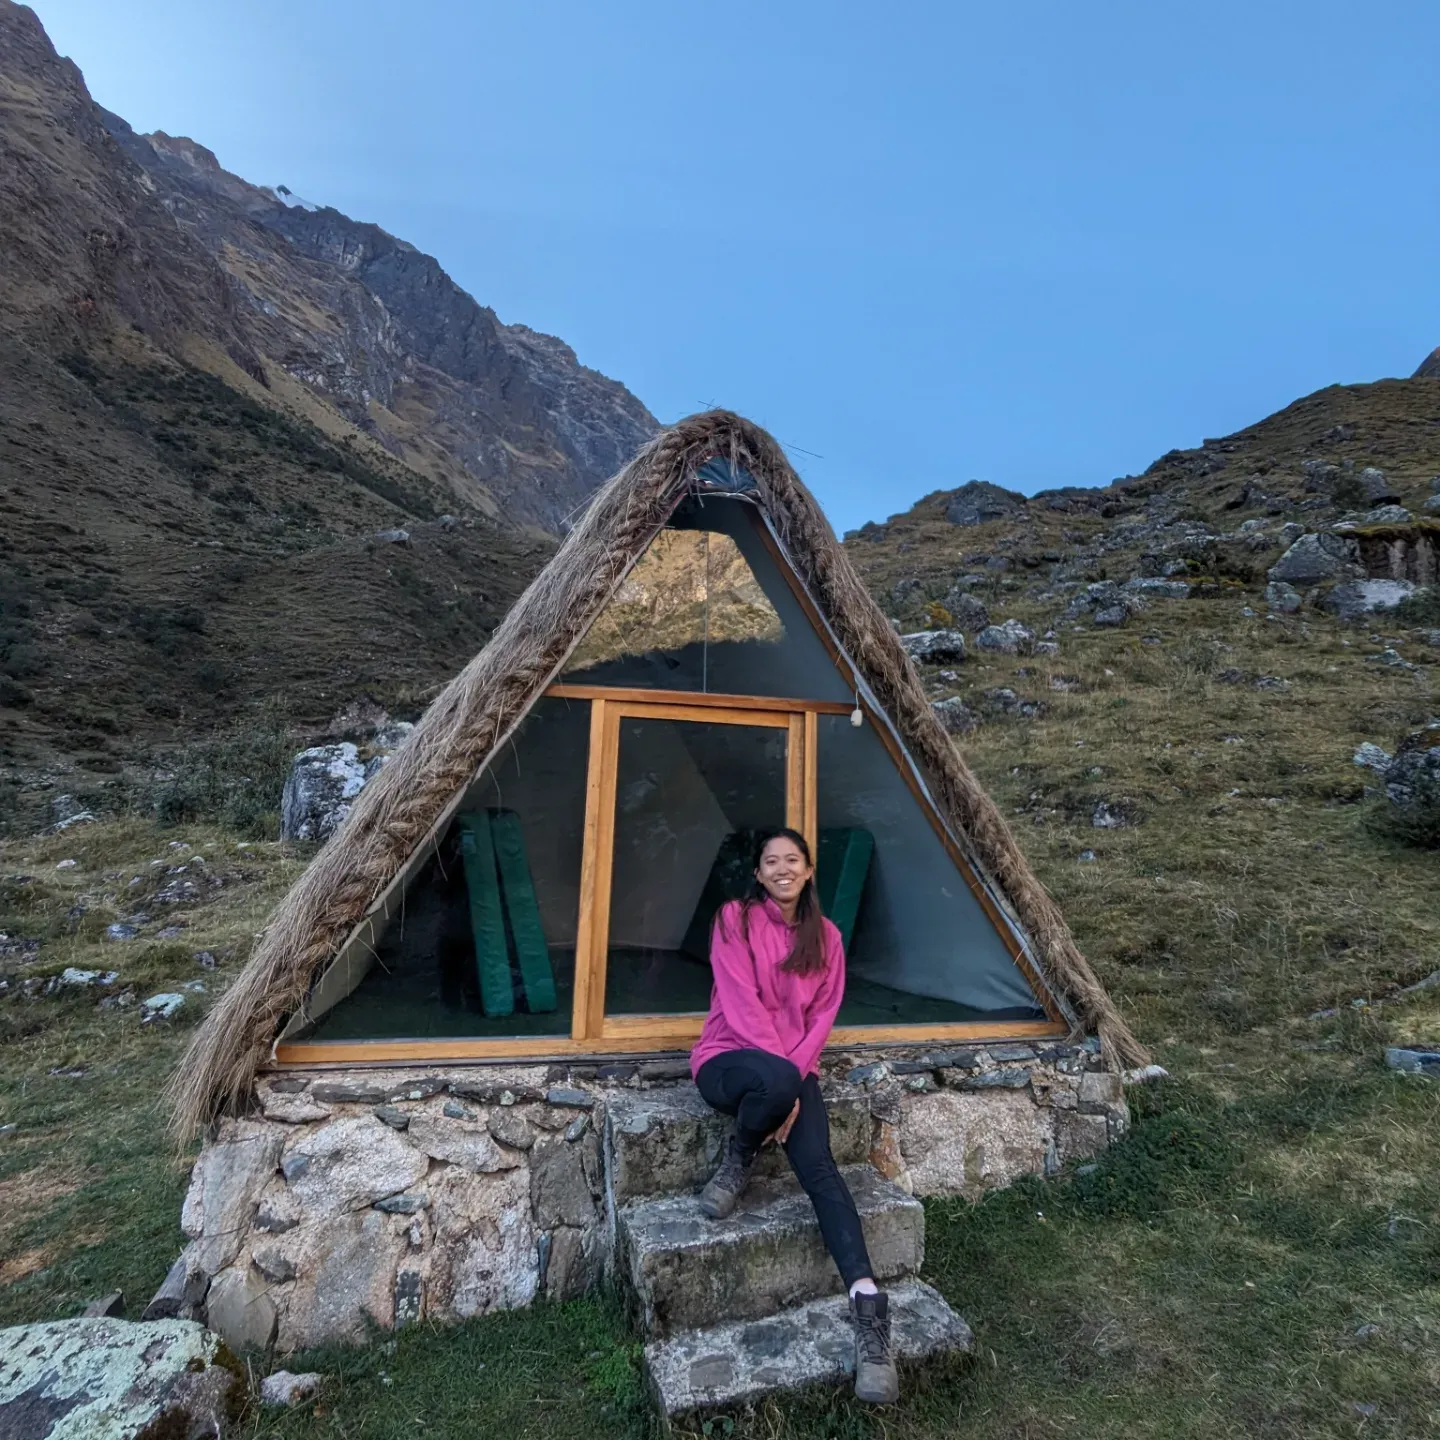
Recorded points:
(593,1033)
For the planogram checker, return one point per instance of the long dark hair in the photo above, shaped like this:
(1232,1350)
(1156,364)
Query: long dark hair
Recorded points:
(807,954)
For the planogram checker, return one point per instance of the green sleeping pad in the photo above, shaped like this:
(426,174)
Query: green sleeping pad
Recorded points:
(840,873)
(531,951)
(492,955)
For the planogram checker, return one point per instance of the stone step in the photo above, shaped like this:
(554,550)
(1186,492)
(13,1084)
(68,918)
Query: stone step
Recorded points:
(810,1344)
(667,1142)
(687,1270)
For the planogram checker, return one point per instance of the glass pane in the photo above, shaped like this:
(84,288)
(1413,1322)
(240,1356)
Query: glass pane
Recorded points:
(485,943)
(707,609)
(689,796)
(919,947)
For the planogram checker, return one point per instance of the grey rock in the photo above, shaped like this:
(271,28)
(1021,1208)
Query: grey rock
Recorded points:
(274,1265)
(952,1059)
(1363,597)
(559,1186)
(511,1128)
(1412,779)
(955,715)
(182,1292)
(577,1127)
(319,791)
(563,1095)
(1111,615)
(392,1116)
(409,1297)
(574,1262)
(934,647)
(1164,589)
(1372,757)
(289,1084)
(868,1074)
(160,1007)
(287,1388)
(1387,515)
(811,1344)
(1315,558)
(239,1308)
(1290,532)
(1009,638)
(225,1188)
(404,1204)
(1010,1054)
(1391,657)
(1109,815)
(393,537)
(103,1378)
(295,1167)
(686,1269)
(1100,1092)
(1282,598)
(1416,1062)
(665,1070)
(966,610)
(121,931)
(978,502)
(353,1161)
(112,1305)
(1376,484)
(1432,505)
(326,1093)
(1004,1079)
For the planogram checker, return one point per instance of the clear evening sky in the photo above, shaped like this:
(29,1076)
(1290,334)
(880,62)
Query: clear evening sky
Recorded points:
(1035,243)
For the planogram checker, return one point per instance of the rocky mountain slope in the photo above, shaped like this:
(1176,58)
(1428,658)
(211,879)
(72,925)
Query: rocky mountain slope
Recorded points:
(211,402)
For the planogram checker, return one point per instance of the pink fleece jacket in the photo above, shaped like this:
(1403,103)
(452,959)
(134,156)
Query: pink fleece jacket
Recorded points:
(755,1005)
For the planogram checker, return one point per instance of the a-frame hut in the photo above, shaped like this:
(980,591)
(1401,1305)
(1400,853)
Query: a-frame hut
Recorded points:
(508,932)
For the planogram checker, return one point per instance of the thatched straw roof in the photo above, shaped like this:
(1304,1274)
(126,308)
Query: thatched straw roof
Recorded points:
(482,705)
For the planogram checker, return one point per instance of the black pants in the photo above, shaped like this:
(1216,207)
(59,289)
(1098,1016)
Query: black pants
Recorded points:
(759,1089)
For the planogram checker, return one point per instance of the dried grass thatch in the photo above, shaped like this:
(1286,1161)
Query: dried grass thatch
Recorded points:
(484,703)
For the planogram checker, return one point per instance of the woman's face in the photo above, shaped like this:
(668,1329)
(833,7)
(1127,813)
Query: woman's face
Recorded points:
(783,870)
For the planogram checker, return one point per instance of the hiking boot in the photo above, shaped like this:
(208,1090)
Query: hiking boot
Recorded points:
(875,1377)
(727,1184)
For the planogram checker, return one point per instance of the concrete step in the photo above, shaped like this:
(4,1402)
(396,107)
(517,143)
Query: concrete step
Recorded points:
(667,1142)
(688,1271)
(812,1343)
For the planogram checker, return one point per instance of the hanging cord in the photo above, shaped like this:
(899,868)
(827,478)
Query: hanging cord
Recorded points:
(705,652)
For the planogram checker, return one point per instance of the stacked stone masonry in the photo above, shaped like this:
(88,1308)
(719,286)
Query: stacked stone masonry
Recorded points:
(385,1196)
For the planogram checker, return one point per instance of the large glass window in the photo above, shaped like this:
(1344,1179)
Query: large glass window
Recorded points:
(483,944)
(920,947)
(707,609)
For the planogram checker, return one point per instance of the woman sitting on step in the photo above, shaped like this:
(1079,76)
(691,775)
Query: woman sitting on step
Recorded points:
(779,970)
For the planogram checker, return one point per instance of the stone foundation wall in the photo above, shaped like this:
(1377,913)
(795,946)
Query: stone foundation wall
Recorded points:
(386,1195)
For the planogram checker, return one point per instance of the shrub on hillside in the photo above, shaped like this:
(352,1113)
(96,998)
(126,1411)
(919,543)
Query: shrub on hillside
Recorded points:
(1421,608)
(233,779)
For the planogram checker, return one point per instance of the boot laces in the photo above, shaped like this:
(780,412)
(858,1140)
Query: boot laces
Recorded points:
(873,1333)
(733,1169)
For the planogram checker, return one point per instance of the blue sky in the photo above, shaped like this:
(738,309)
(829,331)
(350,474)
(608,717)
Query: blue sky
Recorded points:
(1037,244)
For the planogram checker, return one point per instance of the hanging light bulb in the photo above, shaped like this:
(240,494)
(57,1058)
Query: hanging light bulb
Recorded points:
(857,715)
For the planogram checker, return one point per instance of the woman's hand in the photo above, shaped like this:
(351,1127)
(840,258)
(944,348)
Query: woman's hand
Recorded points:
(783,1133)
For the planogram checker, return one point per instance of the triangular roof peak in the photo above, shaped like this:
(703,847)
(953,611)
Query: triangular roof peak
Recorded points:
(402,808)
